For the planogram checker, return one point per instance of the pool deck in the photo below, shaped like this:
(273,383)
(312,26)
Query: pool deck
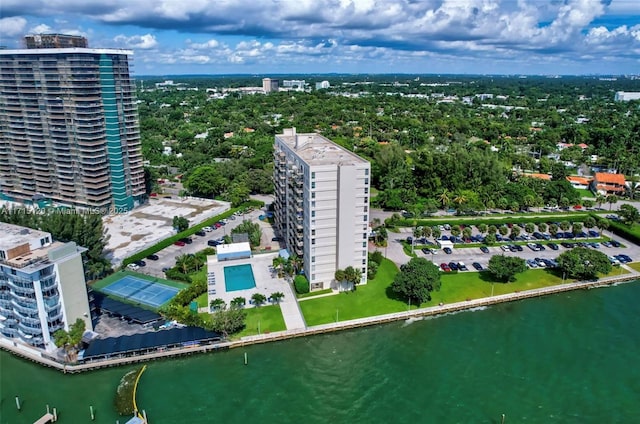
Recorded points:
(267,282)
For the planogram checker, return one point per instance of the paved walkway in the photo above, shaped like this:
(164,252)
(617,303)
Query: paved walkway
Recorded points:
(290,310)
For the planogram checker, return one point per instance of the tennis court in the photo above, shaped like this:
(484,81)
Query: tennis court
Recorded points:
(136,290)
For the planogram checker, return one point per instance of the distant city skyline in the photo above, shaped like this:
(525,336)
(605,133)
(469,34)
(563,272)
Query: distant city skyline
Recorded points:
(169,37)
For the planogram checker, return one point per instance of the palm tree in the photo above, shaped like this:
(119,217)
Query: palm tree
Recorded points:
(258,299)
(296,262)
(445,198)
(611,199)
(278,264)
(277,296)
(217,304)
(238,302)
(600,199)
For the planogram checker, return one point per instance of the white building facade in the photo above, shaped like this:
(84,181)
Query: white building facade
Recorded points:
(625,96)
(321,206)
(42,286)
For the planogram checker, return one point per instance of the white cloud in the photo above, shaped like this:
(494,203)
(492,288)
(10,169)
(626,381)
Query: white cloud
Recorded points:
(12,26)
(144,42)
(211,44)
(40,29)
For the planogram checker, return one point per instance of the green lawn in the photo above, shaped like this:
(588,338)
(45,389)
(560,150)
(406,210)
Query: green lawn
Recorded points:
(203,300)
(375,298)
(585,193)
(368,300)
(635,265)
(269,318)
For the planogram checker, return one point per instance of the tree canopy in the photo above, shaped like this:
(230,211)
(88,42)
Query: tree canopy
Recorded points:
(416,280)
(504,268)
(584,263)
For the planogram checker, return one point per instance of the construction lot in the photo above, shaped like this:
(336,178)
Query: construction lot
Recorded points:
(146,225)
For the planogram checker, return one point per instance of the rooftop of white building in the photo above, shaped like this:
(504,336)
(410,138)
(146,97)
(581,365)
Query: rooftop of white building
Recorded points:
(15,235)
(315,149)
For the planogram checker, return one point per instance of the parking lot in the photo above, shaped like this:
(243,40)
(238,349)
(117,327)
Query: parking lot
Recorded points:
(469,255)
(167,256)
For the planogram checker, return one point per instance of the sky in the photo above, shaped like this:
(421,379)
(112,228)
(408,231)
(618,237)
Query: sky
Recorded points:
(174,37)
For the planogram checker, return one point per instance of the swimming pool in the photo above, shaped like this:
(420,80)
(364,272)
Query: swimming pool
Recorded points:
(238,277)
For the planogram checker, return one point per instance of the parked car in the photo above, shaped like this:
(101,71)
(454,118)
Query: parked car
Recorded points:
(207,229)
(615,243)
(180,243)
(445,267)
(212,243)
(607,244)
(276,239)
(447,250)
(186,240)
(593,233)
(153,257)
(613,260)
(532,263)
(200,233)
(462,266)
(133,267)
(426,251)
(484,249)
(552,246)
(453,266)
(477,266)
(140,263)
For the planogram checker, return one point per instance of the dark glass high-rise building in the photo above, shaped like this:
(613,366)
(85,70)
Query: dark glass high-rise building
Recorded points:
(69,129)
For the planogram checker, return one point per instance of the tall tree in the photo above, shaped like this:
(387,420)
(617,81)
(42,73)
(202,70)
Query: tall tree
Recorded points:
(416,280)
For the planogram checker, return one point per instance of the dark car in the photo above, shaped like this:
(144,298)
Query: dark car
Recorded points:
(477,266)
(552,246)
(200,233)
(153,257)
(615,243)
(187,240)
(213,242)
(447,250)
(453,266)
(484,249)
(426,251)
(140,263)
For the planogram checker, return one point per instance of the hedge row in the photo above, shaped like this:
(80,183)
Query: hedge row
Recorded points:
(625,231)
(573,217)
(188,232)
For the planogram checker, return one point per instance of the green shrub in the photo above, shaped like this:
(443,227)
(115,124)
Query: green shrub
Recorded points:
(176,274)
(376,257)
(301,284)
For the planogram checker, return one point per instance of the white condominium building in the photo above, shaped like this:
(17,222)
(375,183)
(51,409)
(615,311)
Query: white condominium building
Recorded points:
(321,205)
(42,286)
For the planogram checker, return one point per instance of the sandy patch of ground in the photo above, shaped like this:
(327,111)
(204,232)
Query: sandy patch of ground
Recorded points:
(146,225)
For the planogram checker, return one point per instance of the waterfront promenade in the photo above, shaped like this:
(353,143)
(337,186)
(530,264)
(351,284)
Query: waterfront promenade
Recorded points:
(117,360)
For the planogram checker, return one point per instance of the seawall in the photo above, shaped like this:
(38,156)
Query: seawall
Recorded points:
(37,356)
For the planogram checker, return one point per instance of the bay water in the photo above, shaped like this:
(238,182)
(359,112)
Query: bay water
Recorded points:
(567,358)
